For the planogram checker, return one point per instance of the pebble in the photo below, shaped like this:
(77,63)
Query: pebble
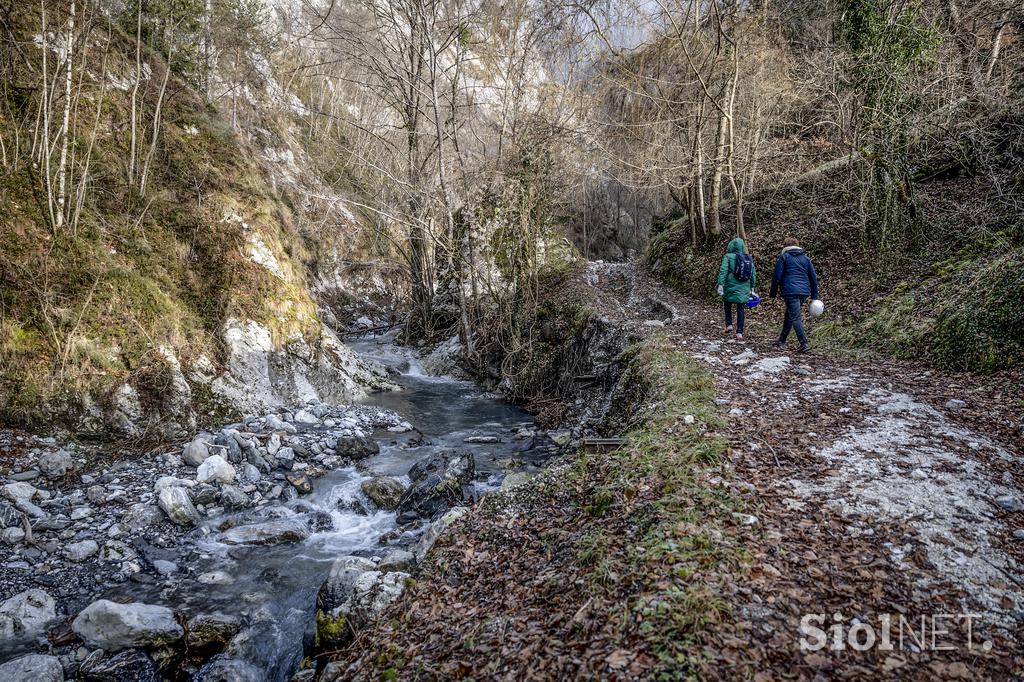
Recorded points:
(1018,534)
(1009,503)
(955,404)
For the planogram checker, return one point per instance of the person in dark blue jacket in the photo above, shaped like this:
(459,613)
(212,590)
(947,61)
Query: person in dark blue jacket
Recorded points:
(795,279)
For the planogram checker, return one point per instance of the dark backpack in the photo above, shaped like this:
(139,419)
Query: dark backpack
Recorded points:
(743,267)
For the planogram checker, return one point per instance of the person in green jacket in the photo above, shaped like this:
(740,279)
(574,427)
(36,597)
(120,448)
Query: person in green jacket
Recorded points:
(733,290)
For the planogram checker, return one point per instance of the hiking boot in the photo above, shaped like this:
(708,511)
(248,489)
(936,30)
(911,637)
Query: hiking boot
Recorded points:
(778,344)
(728,329)
(739,337)
(805,348)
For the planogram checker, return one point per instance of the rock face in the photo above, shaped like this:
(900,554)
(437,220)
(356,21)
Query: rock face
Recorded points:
(267,533)
(25,615)
(436,486)
(383,491)
(34,668)
(113,627)
(261,377)
(177,504)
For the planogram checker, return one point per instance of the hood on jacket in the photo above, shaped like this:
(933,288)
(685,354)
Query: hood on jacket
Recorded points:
(736,246)
(795,250)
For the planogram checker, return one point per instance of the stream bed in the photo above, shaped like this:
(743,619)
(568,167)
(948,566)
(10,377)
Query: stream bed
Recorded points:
(270,589)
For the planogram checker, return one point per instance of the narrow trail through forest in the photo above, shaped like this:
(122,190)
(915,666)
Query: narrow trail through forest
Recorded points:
(872,488)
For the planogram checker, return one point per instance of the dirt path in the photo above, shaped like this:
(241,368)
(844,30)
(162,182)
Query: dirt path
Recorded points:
(874,490)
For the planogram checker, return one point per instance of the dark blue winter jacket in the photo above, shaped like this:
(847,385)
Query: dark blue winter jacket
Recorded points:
(794,274)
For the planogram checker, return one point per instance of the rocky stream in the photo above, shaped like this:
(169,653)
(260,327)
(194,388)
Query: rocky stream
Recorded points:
(244,551)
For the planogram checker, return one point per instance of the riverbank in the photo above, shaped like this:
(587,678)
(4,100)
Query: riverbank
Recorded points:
(205,559)
(755,488)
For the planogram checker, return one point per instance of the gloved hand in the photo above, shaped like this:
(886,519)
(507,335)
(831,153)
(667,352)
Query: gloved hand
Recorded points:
(721,290)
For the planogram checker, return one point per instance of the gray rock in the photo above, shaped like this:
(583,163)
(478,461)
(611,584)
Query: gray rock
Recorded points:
(196,452)
(211,630)
(232,498)
(115,550)
(25,615)
(268,533)
(232,449)
(132,665)
(215,469)
(250,473)
(337,588)
(30,475)
(397,560)
(79,513)
(9,515)
(300,481)
(171,482)
(356,447)
(275,423)
(24,505)
(56,464)
(12,535)
(435,530)
(164,567)
(481,440)
(34,668)
(360,595)
(1018,534)
(305,417)
(285,458)
(96,494)
(141,516)
(113,627)
(177,504)
(80,551)
(436,486)
(383,491)
(955,404)
(19,491)
(560,437)
(1009,503)
(204,494)
(256,459)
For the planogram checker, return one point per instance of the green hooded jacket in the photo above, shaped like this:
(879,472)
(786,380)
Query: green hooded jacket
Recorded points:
(735,290)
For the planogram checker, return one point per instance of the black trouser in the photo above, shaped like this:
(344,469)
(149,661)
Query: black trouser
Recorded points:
(741,315)
(794,319)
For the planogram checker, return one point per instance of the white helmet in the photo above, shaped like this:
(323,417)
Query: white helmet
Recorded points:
(817,307)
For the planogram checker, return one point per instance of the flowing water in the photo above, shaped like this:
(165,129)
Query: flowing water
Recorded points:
(273,589)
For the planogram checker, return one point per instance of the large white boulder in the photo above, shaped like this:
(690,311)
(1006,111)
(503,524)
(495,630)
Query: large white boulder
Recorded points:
(215,469)
(111,626)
